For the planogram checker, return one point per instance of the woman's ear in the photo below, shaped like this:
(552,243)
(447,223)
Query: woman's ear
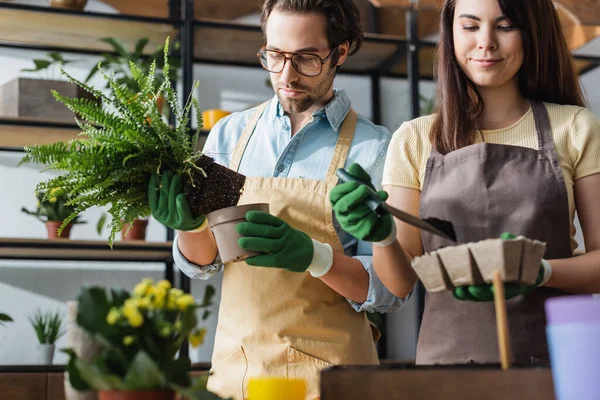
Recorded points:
(342,53)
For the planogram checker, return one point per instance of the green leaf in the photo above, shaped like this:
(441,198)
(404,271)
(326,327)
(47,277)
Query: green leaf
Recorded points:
(5,318)
(209,293)
(75,377)
(144,374)
(101,223)
(39,65)
(117,46)
(139,47)
(97,376)
(56,56)
(197,391)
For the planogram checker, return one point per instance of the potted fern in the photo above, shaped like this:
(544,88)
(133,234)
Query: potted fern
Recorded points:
(48,328)
(124,140)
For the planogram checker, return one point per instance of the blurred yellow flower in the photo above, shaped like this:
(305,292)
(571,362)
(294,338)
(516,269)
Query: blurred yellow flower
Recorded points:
(143,288)
(51,197)
(128,340)
(175,293)
(197,337)
(113,316)
(144,302)
(184,301)
(158,297)
(133,315)
(164,284)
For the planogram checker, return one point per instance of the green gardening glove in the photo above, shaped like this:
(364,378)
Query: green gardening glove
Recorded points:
(284,246)
(485,292)
(169,205)
(352,212)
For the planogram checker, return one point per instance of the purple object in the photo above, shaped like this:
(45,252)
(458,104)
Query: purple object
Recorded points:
(573,310)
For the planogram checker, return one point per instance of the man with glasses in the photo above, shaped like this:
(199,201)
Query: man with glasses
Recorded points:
(300,306)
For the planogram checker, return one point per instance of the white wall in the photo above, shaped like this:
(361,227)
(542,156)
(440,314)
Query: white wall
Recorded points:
(27,285)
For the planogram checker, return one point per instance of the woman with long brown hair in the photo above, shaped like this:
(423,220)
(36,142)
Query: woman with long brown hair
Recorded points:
(511,148)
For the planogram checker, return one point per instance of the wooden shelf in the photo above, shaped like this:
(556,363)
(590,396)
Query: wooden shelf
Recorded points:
(16,133)
(43,27)
(222,42)
(84,250)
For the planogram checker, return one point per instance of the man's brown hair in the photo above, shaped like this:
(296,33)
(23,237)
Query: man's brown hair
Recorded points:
(343,19)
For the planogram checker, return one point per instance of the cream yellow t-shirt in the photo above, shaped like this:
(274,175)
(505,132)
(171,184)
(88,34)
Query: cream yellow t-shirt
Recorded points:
(576,133)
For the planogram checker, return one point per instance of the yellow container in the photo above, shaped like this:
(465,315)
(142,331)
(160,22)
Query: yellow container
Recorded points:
(276,389)
(210,117)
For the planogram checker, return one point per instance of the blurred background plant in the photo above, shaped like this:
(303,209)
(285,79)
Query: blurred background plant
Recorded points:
(140,334)
(52,206)
(48,326)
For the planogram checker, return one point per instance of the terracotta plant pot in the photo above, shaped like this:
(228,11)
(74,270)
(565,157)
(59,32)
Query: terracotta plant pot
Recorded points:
(52,227)
(75,4)
(137,231)
(136,395)
(223,223)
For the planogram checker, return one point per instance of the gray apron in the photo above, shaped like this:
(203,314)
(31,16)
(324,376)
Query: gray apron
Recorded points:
(486,189)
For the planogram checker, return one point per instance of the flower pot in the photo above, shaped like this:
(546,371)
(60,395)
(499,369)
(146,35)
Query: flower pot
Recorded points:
(45,354)
(137,231)
(223,223)
(52,227)
(136,395)
(76,4)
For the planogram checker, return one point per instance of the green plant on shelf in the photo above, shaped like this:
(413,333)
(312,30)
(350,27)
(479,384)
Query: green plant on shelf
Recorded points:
(118,64)
(140,334)
(124,140)
(48,326)
(52,206)
(51,65)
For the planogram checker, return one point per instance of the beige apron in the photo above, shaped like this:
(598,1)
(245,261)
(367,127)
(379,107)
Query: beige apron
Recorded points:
(486,189)
(273,322)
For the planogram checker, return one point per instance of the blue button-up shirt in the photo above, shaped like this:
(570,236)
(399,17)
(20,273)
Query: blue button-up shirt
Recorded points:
(273,152)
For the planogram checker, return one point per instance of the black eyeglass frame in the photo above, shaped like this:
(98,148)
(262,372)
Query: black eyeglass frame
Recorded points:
(285,56)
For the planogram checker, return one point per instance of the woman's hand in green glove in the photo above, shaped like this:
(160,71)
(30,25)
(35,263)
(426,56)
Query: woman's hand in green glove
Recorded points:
(352,212)
(485,292)
(284,246)
(168,203)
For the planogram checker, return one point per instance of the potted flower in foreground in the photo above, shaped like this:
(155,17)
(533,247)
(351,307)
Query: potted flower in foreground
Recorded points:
(124,141)
(140,334)
(48,327)
(52,210)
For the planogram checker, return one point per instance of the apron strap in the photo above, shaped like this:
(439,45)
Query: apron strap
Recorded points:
(342,147)
(542,126)
(240,147)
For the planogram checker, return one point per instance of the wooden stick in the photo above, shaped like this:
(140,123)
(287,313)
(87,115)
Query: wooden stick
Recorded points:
(502,322)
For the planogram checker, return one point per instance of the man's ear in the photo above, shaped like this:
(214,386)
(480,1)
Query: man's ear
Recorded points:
(343,53)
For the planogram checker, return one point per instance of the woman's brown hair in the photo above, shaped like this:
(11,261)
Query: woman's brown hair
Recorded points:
(547,73)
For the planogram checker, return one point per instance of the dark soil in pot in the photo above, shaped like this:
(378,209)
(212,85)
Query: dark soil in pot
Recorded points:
(220,188)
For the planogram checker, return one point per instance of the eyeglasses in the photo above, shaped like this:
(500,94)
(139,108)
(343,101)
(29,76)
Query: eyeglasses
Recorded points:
(306,64)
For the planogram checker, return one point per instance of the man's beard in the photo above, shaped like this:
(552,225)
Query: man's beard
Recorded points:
(310,98)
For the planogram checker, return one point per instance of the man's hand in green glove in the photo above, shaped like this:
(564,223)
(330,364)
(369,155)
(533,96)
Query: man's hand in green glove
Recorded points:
(284,246)
(169,205)
(352,212)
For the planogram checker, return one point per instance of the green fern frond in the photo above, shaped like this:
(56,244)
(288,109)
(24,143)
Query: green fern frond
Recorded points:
(122,142)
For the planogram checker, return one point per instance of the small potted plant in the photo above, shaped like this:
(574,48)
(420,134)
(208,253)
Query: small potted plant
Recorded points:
(140,334)
(52,210)
(48,327)
(124,142)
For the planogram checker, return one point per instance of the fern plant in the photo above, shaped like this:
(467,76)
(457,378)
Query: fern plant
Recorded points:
(124,139)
